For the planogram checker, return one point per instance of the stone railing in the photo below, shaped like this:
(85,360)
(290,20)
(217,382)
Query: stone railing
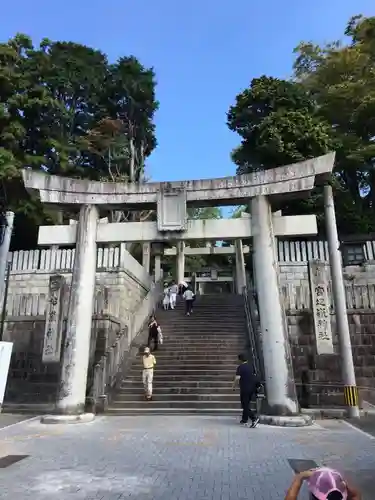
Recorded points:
(303,251)
(359,285)
(110,258)
(121,281)
(112,363)
(63,259)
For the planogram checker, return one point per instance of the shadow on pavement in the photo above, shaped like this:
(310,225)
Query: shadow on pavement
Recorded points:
(7,419)
(366,424)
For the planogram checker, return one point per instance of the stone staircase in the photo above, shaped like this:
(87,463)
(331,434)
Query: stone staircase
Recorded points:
(195,365)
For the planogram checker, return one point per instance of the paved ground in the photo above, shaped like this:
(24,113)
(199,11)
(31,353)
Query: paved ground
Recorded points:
(162,458)
(8,419)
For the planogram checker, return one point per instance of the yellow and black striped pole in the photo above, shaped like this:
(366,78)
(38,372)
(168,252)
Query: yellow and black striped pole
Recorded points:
(351,395)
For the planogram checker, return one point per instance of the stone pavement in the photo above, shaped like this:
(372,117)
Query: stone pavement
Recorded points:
(165,458)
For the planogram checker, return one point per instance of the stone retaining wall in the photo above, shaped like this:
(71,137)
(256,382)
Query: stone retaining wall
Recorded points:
(118,293)
(318,377)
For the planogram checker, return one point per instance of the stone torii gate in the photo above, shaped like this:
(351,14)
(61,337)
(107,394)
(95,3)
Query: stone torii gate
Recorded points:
(261,190)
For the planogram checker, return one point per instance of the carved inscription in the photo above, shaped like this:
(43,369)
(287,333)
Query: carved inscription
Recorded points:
(320,307)
(171,210)
(53,328)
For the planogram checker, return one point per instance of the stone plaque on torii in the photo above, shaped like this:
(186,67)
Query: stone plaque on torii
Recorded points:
(260,189)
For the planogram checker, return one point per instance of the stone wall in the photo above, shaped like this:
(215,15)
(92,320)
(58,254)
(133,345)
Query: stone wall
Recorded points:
(318,377)
(118,293)
(359,284)
(30,380)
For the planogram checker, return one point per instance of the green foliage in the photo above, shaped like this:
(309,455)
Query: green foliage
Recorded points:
(329,105)
(278,124)
(238,211)
(65,109)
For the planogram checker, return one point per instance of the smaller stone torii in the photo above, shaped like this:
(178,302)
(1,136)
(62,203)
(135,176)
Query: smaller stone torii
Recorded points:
(238,249)
(260,189)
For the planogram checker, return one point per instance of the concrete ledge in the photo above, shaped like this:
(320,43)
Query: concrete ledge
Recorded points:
(334,413)
(28,408)
(84,418)
(322,413)
(282,421)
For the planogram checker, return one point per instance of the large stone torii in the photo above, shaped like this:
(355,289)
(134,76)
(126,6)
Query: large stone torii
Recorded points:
(171,199)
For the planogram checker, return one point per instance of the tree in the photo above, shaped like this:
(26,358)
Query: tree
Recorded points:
(59,103)
(278,124)
(342,81)
(329,105)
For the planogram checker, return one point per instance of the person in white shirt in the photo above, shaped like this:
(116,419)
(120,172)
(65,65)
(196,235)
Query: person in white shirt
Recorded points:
(189,299)
(173,294)
(149,363)
(166,299)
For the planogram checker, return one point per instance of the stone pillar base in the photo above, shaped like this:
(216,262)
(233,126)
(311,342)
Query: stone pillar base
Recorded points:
(83,418)
(283,421)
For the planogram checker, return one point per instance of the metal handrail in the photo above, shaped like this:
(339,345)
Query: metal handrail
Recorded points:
(252,328)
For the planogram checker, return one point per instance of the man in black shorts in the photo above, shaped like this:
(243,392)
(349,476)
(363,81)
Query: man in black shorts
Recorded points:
(249,384)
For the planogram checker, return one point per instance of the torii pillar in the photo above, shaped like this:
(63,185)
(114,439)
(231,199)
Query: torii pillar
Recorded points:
(281,390)
(240,266)
(180,262)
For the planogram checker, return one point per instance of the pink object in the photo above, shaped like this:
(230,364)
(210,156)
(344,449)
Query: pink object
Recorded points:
(324,481)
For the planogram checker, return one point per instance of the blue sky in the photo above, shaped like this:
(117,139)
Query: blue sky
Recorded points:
(203,52)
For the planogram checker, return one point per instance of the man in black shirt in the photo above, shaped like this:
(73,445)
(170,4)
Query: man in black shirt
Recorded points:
(249,384)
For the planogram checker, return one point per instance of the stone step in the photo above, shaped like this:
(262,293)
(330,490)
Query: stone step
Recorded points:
(181,307)
(176,343)
(150,410)
(204,329)
(203,310)
(166,351)
(202,347)
(202,339)
(198,383)
(171,350)
(205,334)
(205,325)
(211,302)
(194,358)
(197,316)
(185,376)
(200,311)
(177,404)
(176,397)
(181,387)
(196,335)
(206,306)
(174,364)
(177,367)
